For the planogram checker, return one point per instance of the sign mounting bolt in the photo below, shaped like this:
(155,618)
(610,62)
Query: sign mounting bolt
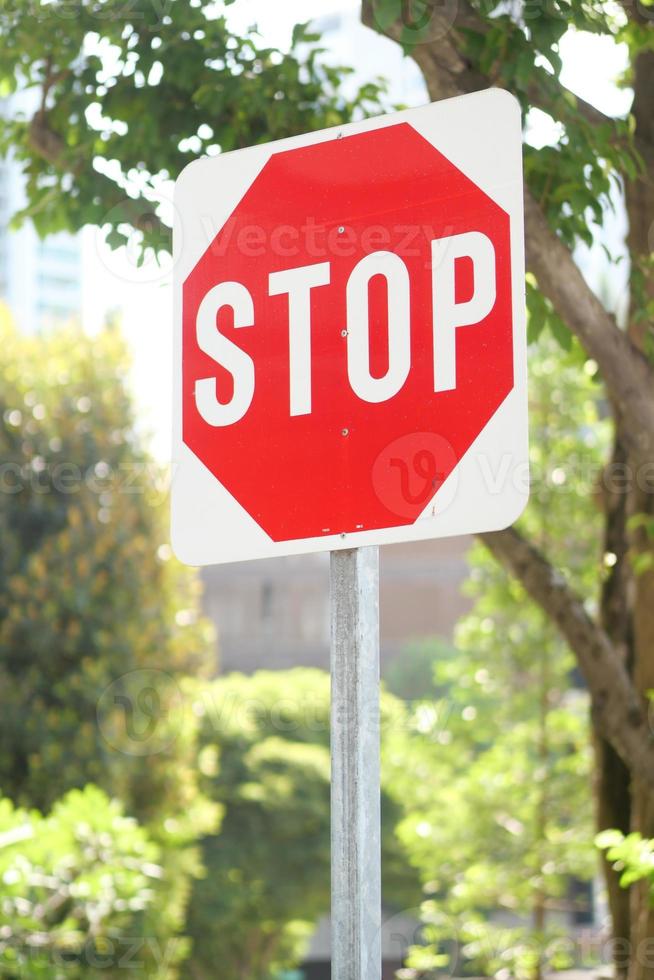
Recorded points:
(345,432)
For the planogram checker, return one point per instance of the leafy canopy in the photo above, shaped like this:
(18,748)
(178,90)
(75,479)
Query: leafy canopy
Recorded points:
(120,97)
(75,884)
(88,590)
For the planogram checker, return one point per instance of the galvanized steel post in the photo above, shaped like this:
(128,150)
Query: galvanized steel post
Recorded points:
(355,794)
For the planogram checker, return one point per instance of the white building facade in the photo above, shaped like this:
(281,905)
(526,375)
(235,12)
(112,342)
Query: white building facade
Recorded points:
(40,279)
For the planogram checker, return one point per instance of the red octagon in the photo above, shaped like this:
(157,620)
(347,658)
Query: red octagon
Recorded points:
(348,465)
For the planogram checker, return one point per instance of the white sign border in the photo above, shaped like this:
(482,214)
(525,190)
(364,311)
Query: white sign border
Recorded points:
(488,490)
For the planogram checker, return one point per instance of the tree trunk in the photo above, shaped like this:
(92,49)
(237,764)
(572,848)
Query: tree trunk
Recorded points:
(642,807)
(612,776)
(613,809)
(640,207)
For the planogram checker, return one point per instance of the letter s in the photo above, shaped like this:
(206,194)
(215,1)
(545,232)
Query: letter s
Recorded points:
(224,352)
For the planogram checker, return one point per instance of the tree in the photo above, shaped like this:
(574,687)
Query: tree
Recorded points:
(98,624)
(501,828)
(568,185)
(89,595)
(76,885)
(85,118)
(134,92)
(265,759)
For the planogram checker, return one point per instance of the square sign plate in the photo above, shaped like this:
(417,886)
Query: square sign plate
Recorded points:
(350,362)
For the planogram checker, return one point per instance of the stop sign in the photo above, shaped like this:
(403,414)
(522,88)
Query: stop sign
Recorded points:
(350,336)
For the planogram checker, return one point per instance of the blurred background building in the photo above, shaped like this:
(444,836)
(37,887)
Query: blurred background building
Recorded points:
(41,281)
(275,613)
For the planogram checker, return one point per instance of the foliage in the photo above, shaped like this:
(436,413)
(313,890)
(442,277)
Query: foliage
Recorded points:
(133,94)
(97,622)
(495,771)
(410,676)
(576,177)
(133,101)
(88,591)
(265,759)
(631,854)
(503,820)
(76,884)
(137,91)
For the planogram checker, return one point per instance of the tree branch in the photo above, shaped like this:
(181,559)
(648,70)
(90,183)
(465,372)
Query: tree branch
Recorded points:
(138,212)
(628,376)
(615,706)
(543,90)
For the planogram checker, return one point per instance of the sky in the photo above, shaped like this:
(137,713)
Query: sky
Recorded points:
(112,280)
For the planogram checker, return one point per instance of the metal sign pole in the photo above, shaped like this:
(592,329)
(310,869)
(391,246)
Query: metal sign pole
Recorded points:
(355,794)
